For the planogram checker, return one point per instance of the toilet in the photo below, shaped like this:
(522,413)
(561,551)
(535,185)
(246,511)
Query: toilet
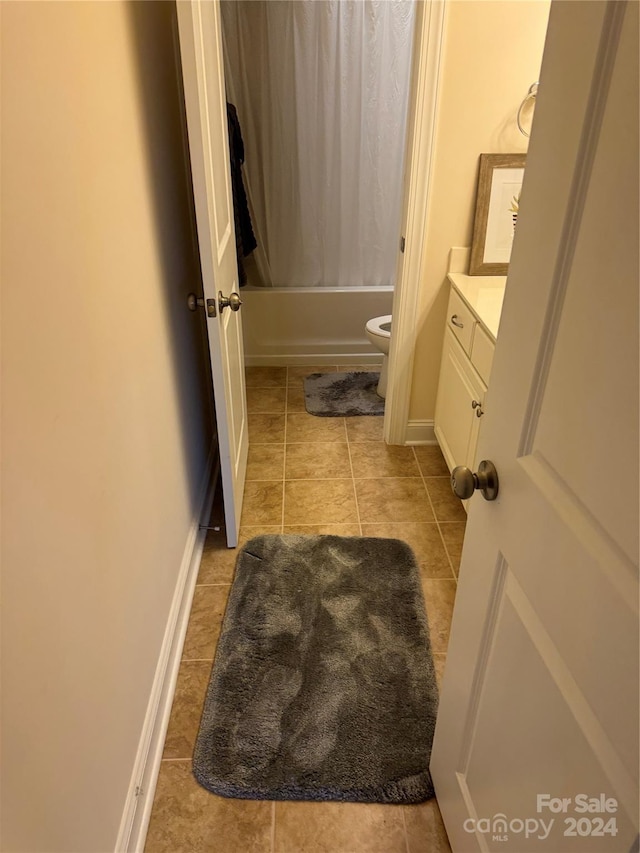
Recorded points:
(378,330)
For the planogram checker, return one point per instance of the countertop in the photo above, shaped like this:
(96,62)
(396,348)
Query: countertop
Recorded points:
(484,295)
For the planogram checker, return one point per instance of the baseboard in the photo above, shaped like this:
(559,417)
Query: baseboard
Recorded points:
(312,359)
(137,809)
(420,432)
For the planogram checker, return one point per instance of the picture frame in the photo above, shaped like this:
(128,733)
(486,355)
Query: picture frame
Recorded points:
(497,199)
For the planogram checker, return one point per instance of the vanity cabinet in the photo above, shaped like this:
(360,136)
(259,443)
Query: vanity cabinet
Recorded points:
(467,356)
(460,396)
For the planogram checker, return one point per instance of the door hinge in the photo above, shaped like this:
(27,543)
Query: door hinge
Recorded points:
(402,244)
(139,790)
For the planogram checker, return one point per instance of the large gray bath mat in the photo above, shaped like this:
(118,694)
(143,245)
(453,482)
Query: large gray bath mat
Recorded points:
(343,395)
(323,685)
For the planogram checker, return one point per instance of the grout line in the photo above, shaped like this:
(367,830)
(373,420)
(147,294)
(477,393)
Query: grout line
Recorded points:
(175,759)
(440,580)
(319,441)
(284,455)
(406,834)
(196,660)
(220,583)
(273,826)
(389,477)
(323,524)
(444,544)
(446,550)
(353,479)
(299,480)
(455,574)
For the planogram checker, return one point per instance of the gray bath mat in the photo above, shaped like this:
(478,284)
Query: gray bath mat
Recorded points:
(342,395)
(323,686)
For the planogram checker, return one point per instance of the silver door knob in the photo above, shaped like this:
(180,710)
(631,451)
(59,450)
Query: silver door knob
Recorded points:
(464,482)
(232,301)
(194,302)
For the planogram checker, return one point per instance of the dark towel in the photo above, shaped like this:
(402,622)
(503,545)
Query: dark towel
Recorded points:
(245,238)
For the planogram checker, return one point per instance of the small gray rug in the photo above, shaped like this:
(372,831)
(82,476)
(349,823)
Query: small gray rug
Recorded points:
(343,395)
(323,685)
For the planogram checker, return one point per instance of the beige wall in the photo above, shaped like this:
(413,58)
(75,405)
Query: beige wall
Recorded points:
(105,419)
(492,54)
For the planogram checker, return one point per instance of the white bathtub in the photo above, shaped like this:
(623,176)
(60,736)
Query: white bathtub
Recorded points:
(311,325)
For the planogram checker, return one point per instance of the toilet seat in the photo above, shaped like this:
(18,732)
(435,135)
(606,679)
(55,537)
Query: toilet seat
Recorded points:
(380,326)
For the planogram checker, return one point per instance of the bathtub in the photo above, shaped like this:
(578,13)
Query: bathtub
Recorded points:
(311,325)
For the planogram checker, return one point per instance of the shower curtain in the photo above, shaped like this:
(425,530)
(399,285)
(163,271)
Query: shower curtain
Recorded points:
(321,88)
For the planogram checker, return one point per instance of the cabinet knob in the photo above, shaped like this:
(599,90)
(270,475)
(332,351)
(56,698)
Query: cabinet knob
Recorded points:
(477,405)
(464,482)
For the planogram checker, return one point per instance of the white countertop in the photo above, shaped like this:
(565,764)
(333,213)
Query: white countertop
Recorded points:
(484,295)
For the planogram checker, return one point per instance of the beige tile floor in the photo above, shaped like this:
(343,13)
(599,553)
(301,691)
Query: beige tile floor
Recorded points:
(308,475)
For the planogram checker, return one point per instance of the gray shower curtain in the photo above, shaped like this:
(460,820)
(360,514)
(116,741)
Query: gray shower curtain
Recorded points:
(321,88)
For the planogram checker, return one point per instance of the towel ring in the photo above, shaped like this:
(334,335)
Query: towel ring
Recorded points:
(530,96)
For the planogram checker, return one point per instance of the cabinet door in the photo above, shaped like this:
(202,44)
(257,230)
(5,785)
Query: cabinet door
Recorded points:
(456,424)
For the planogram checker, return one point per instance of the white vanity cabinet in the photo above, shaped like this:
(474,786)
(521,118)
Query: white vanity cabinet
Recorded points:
(473,317)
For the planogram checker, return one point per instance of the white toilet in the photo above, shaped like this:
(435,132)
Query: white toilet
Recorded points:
(378,330)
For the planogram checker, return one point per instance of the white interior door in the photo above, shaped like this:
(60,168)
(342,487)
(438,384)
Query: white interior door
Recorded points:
(540,695)
(203,75)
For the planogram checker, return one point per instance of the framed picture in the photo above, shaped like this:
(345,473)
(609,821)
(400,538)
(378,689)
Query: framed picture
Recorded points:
(497,202)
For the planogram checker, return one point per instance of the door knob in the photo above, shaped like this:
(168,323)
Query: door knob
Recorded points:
(464,482)
(232,301)
(194,302)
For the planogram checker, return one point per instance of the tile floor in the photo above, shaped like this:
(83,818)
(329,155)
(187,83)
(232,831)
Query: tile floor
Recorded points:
(308,475)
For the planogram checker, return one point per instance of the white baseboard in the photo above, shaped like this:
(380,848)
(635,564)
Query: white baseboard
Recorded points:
(420,432)
(313,359)
(139,800)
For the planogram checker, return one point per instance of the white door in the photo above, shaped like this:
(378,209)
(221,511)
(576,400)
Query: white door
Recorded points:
(203,75)
(539,708)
